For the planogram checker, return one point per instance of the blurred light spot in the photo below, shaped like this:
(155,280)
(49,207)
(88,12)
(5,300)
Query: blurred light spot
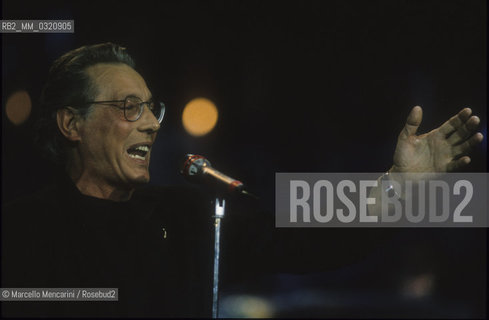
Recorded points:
(199,116)
(246,306)
(418,287)
(18,107)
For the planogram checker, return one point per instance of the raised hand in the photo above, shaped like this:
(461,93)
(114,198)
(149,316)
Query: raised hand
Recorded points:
(443,149)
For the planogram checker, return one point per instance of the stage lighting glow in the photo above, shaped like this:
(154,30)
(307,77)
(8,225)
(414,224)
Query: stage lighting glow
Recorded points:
(18,107)
(199,116)
(246,306)
(418,287)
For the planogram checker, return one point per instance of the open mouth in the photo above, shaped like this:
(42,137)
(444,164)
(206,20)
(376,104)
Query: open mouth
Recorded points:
(138,152)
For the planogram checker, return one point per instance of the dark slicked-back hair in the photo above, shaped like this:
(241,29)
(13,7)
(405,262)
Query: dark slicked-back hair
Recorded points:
(68,84)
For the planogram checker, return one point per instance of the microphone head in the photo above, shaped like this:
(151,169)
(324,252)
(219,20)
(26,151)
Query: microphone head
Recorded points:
(193,165)
(196,168)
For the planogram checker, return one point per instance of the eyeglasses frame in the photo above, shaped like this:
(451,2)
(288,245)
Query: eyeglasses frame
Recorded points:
(141,107)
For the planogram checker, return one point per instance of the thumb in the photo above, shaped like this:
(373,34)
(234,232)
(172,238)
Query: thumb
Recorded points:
(412,123)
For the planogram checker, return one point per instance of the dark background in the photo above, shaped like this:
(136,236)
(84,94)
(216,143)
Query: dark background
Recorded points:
(302,86)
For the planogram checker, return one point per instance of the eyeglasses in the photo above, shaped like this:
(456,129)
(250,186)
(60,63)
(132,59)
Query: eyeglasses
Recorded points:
(133,107)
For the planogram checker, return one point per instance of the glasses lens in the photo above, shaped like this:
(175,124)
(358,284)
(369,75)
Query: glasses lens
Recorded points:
(158,109)
(132,108)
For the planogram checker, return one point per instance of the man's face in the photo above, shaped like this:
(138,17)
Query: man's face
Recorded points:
(107,140)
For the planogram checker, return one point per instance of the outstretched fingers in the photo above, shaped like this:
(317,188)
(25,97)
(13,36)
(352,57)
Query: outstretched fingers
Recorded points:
(464,131)
(466,146)
(455,122)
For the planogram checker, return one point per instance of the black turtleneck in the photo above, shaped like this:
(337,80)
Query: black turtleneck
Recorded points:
(156,248)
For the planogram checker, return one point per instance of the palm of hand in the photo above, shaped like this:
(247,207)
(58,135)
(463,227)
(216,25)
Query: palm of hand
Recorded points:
(443,149)
(429,152)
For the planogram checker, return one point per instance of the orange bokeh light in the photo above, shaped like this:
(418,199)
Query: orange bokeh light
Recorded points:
(199,116)
(18,107)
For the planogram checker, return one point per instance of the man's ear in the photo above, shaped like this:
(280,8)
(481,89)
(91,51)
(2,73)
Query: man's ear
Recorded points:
(68,123)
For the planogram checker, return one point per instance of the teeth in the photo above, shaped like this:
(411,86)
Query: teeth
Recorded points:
(135,156)
(143,148)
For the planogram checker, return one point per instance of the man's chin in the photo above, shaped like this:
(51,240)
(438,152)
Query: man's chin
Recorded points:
(138,178)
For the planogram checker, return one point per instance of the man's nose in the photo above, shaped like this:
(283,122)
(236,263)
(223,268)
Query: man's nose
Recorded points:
(148,121)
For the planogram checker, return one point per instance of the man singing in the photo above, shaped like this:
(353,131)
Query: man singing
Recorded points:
(98,226)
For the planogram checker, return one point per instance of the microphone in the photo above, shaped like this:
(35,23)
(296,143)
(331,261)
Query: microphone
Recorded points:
(197,168)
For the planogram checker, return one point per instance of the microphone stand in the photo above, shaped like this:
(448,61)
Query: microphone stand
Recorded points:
(218,215)
(196,167)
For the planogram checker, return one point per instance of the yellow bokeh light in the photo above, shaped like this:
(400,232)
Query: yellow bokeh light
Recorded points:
(199,116)
(18,107)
